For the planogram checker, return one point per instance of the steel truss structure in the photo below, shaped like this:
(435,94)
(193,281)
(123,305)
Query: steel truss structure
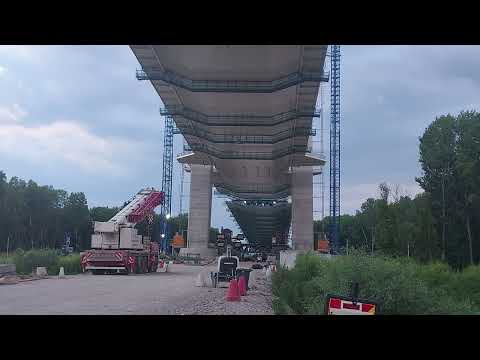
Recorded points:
(335,147)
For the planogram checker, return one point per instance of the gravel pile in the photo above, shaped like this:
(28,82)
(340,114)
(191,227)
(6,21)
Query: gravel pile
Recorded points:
(211,301)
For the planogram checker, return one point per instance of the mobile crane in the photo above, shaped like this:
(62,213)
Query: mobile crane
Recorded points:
(116,245)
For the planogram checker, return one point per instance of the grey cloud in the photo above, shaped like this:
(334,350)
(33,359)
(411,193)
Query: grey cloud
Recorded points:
(414,84)
(389,95)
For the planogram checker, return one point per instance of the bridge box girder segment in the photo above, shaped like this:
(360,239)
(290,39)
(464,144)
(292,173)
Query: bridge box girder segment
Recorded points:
(233,129)
(229,97)
(260,220)
(233,86)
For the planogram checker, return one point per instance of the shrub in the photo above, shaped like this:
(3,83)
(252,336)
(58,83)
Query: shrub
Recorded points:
(400,286)
(4,259)
(18,260)
(70,263)
(466,285)
(27,261)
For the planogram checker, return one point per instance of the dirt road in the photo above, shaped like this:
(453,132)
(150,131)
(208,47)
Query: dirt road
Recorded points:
(146,294)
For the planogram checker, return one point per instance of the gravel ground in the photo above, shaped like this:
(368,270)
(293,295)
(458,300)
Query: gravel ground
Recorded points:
(146,294)
(212,300)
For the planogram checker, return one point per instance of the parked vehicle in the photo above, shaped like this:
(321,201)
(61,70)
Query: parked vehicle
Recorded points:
(116,245)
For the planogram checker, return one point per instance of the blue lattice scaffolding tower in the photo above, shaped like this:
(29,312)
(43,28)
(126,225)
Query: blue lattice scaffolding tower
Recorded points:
(167,178)
(335,147)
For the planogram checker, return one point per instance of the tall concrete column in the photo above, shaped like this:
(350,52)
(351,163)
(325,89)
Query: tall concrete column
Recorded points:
(302,208)
(199,215)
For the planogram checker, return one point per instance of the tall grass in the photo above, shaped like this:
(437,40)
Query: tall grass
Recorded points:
(4,259)
(70,263)
(27,261)
(400,286)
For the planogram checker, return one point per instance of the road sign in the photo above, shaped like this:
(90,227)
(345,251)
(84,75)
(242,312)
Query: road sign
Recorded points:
(340,305)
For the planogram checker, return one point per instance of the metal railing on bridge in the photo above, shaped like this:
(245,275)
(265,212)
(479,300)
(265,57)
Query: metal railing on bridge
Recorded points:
(248,139)
(241,192)
(238,119)
(222,154)
(249,86)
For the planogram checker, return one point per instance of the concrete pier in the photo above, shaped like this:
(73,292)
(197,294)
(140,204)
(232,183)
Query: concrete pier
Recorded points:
(199,216)
(302,208)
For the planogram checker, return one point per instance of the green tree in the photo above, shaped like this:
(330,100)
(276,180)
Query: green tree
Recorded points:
(103,213)
(427,247)
(468,170)
(437,159)
(78,219)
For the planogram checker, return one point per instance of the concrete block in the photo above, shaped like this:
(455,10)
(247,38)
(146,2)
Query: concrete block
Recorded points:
(8,269)
(41,271)
(287,258)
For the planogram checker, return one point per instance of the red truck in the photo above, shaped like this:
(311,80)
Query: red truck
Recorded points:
(116,245)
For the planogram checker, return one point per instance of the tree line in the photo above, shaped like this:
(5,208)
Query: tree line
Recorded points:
(34,217)
(443,222)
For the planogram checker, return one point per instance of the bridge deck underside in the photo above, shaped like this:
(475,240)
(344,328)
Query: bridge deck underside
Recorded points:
(247,111)
(260,222)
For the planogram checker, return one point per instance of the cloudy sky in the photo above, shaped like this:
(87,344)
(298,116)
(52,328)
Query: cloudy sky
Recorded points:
(76,118)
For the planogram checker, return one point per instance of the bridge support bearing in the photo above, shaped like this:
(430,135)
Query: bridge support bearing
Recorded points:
(302,208)
(199,216)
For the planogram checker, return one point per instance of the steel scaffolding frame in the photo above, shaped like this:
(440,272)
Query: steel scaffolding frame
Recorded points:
(319,172)
(234,86)
(219,138)
(272,155)
(335,147)
(167,178)
(237,119)
(167,175)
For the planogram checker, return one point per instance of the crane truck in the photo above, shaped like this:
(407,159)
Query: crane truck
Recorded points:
(117,247)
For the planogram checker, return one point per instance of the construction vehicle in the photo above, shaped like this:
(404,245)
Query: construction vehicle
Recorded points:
(116,245)
(226,267)
(224,239)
